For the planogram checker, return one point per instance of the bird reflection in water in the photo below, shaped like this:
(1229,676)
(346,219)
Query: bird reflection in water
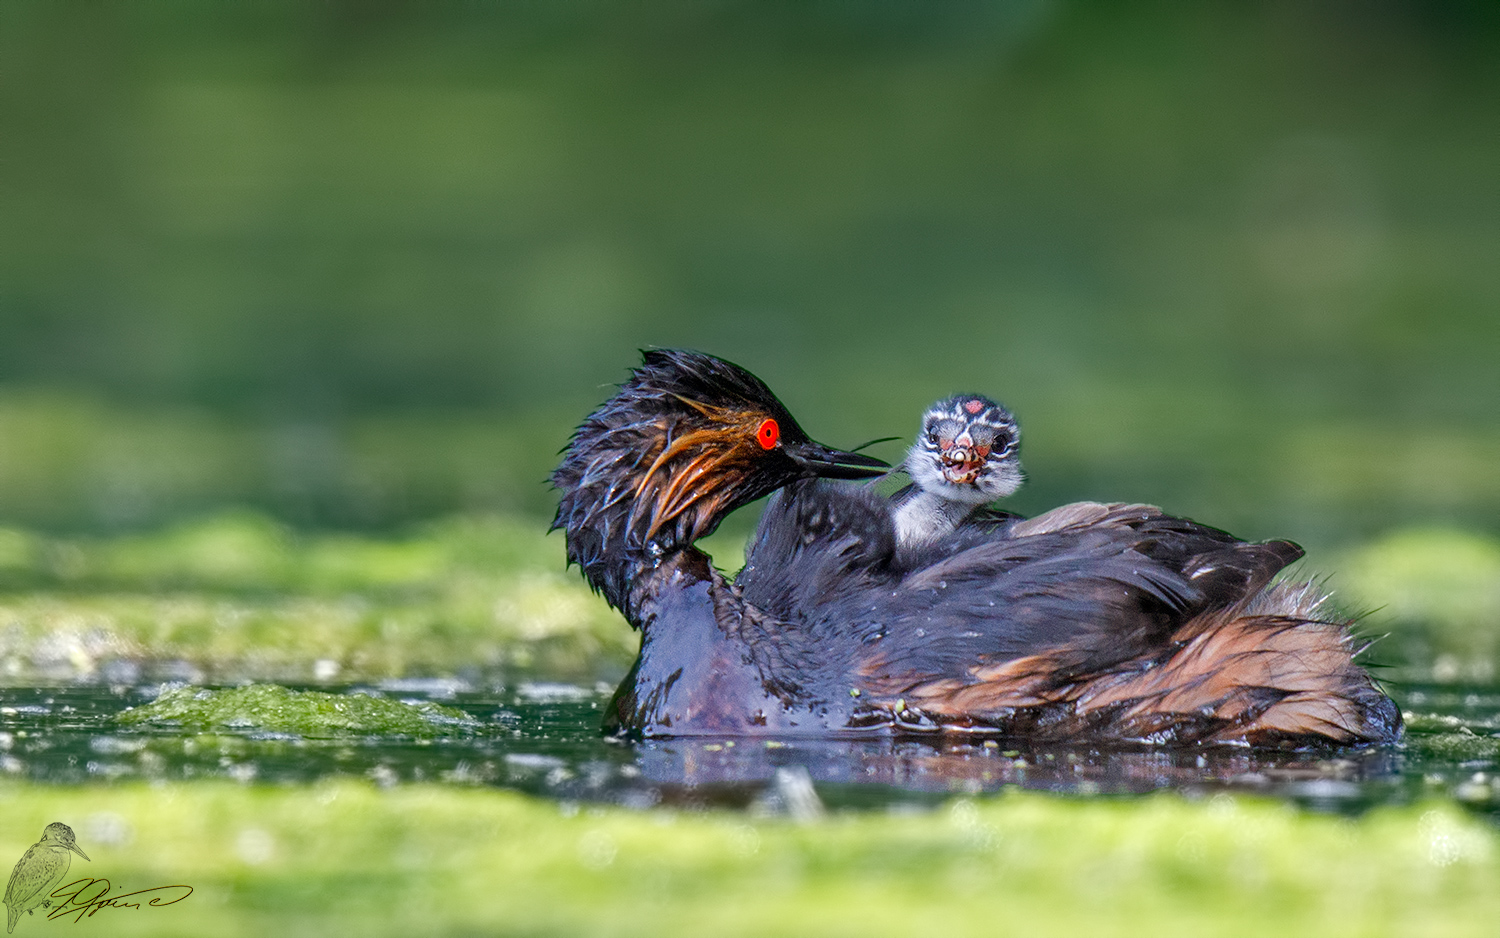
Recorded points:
(735,773)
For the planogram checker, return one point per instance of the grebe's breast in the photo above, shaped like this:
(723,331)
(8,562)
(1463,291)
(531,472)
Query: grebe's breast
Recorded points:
(709,665)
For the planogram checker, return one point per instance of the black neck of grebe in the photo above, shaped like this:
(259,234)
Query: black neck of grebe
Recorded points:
(608,535)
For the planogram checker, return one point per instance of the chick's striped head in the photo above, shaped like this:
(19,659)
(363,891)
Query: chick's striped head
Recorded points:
(968,451)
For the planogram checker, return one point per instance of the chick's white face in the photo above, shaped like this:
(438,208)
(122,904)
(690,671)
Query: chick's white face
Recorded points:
(967,451)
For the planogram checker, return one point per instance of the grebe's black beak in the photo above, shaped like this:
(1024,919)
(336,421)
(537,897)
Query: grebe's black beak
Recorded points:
(815,459)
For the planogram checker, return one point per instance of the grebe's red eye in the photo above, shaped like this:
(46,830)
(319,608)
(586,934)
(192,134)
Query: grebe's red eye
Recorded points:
(768,434)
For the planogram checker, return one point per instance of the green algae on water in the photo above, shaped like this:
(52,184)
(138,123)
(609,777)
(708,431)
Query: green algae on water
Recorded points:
(1462,746)
(348,857)
(1438,736)
(306,713)
(237,596)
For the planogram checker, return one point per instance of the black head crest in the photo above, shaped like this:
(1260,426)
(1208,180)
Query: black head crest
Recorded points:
(686,440)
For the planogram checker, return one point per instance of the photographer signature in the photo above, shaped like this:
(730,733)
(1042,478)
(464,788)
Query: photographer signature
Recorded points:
(36,874)
(87,897)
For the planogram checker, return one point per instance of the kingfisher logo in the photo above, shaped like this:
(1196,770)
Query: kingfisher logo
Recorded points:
(34,884)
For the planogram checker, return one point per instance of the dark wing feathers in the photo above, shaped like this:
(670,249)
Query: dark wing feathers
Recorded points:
(1230,576)
(819,546)
(1092,620)
(1101,601)
(1093,584)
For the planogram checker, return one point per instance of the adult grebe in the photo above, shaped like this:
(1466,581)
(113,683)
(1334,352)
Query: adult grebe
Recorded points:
(1092,622)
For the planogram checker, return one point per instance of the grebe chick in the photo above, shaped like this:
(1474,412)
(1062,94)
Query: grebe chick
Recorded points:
(966,456)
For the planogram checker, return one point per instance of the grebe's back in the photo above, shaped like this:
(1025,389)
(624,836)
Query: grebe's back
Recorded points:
(1105,622)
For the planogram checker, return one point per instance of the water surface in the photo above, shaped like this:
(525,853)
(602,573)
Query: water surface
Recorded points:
(544,739)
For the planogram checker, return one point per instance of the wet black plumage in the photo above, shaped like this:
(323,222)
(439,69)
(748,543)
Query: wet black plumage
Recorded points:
(1113,622)
(659,464)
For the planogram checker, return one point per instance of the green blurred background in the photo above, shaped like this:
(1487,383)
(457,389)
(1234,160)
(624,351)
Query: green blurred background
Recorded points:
(356,264)
(299,300)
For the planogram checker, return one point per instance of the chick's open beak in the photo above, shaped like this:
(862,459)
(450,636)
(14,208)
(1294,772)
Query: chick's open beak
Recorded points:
(815,459)
(961,465)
